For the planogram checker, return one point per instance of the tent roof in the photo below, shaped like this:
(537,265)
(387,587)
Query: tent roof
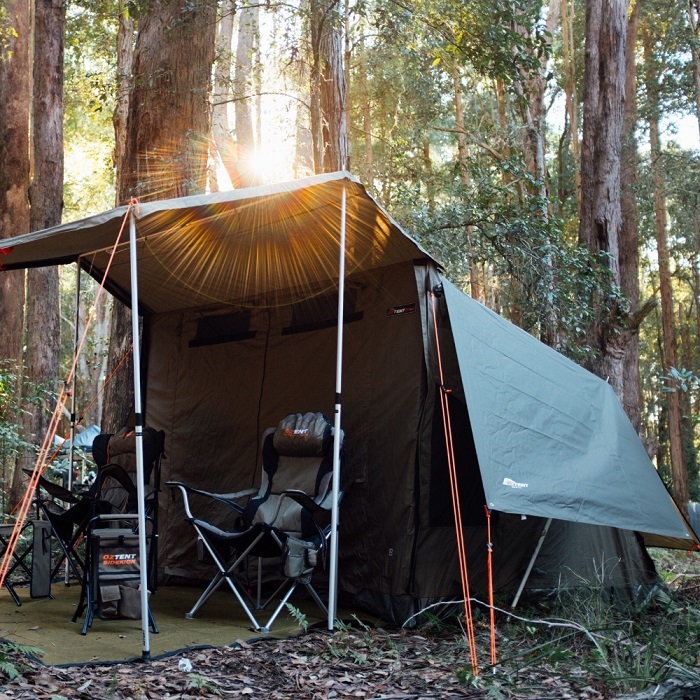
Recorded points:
(249,247)
(552,439)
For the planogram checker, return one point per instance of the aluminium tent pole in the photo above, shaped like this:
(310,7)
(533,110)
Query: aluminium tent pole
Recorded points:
(333,573)
(138,433)
(526,575)
(71,446)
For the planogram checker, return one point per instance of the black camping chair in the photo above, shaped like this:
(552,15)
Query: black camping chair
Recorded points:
(288,518)
(68,515)
(115,456)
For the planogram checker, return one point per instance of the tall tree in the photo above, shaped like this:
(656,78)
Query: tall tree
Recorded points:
(328,88)
(14,170)
(670,360)
(248,27)
(220,127)
(46,202)
(167,141)
(169,117)
(629,231)
(125,60)
(601,217)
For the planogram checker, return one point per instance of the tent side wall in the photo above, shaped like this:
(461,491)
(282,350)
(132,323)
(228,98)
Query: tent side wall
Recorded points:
(215,384)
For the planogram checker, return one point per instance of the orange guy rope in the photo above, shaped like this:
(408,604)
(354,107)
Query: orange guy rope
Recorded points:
(41,462)
(461,550)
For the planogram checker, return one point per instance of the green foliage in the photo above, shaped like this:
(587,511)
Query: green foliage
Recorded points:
(11,442)
(11,663)
(299,617)
(7,33)
(203,685)
(90,79)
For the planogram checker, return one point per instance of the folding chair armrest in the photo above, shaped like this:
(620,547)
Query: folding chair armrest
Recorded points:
(227,499)
(55,490)
(308,503)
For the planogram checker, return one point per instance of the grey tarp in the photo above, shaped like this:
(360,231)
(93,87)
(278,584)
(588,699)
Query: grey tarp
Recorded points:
(552,439)
(237,292)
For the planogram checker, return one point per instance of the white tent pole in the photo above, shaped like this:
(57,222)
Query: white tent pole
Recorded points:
(138,432)
(526,575)
(71,449)
(333,573)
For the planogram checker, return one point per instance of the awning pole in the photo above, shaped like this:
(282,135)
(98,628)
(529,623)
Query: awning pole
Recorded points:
(138,433)
(333,573)
(76,341)
(545,530)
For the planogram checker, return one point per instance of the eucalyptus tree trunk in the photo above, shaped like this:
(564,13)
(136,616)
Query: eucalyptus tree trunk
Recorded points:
(569,60)
(46,205)
(603,114)
(166,152)
(220,127)
(125,61)
(476,288)
(303,143)
(14,174)
(531,88)
(679,471)
(327,88)
(243,87)
(92,363)
(169,116)
(630,395)
(363,89)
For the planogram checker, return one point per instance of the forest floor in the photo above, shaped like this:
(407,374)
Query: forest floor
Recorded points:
(579,648)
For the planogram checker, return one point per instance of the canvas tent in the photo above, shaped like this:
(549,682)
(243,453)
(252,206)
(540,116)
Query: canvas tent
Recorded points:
(239,297)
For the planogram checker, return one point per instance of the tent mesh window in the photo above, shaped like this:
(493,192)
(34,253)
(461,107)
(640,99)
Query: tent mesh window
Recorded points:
(222,328)
(318,312)
(471,489)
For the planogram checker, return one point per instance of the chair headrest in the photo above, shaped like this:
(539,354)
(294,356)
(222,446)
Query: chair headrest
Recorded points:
(307,435)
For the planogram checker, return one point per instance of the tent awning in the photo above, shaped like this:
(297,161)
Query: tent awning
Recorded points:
(249,247)
(552,438)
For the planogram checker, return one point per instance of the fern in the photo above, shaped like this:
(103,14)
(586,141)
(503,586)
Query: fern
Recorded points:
(298,616)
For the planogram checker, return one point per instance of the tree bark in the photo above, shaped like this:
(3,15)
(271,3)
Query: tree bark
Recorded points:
(603,113)
(532,86)
(679,472)
(629,230)
(327,88)
(169,118)
(166,151)
(243,88)
(46,205)
(125,83)
(14,174)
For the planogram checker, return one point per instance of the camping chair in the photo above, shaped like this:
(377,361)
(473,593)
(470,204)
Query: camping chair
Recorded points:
(115,456)
(289,518)
(112,571)
(68,516)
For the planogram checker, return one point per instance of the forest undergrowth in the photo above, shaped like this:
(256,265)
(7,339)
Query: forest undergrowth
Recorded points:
(573,646)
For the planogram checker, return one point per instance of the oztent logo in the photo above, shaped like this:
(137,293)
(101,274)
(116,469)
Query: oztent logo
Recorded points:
(514,484)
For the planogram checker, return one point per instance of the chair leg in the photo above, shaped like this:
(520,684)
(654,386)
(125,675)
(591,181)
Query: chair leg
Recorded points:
(225,574)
